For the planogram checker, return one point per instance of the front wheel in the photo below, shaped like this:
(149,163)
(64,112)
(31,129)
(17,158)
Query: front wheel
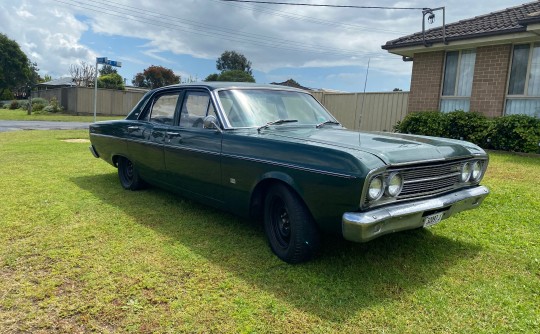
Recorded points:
(289,226)
(128,175)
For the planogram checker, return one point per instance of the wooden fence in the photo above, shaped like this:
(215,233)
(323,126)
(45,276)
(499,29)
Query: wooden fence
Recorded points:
(366,111)
(80,100)
(358,111)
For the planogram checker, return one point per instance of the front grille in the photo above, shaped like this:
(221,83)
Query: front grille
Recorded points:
(422,181)
(429,180)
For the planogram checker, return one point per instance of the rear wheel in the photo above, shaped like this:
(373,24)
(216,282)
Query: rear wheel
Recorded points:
(289,227)
(128,175)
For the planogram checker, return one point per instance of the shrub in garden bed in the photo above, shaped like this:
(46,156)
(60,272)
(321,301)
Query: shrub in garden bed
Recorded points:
(517,133)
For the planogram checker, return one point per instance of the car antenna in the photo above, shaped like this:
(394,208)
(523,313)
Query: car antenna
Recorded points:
(363,99)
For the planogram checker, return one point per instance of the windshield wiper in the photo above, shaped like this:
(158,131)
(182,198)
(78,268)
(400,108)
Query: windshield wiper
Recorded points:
(320,125)
(276,122)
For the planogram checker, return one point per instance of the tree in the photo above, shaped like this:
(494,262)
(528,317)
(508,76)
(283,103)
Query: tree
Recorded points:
(234,67)
(232,60)
(15,71)
(83,74)
(46,78)
(107,69)
(111,81)
(233,75)
(155,76)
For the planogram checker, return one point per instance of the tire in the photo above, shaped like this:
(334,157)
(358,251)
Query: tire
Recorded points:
(128,175)
(289,226)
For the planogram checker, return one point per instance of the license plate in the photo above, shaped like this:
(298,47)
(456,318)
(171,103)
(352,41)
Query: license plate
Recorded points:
(433,219)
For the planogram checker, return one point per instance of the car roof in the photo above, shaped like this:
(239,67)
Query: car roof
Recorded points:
(215,85)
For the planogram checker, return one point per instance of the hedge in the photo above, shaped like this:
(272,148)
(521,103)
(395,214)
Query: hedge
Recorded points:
(516,133)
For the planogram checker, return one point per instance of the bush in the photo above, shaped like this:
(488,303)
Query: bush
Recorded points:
(14,105)
(39,100)
(469,126)
(517,133)
(55,106)
(48,108)
(427,123)
(37,106)
(23,104)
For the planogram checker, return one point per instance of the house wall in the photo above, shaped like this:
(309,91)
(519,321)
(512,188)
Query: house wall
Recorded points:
(488,87)
(426,81)
(490,78)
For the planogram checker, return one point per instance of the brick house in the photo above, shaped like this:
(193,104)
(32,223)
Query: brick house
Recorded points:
(489,63)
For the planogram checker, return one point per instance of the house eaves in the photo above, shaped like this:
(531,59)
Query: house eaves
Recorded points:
(510,24)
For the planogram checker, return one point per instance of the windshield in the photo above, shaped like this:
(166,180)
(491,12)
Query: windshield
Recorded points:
(257,107)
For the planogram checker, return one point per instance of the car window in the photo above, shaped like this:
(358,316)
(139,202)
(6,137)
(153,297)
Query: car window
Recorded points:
(163,109)
(253,107)
(196,106)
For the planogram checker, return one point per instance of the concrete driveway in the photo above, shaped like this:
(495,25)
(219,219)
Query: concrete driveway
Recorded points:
(40,125)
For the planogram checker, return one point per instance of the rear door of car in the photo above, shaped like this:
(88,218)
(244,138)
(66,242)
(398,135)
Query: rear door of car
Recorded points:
(192,152)
(148,136)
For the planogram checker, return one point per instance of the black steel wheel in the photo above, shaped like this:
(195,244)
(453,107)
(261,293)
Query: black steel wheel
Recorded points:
(289,227)
(128,175)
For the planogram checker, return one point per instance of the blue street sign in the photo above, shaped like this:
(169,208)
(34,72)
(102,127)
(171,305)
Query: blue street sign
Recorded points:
(101,60)
(114,63)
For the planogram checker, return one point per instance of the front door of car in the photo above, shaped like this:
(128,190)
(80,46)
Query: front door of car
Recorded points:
(148,136)
(192,152)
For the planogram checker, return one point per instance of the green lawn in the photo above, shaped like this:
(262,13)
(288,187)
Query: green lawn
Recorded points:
(80,254)
(21,115)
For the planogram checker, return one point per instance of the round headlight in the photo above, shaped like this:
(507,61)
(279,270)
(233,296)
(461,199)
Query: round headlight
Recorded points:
(465,172)
(376,188)
(476,173)
(394,185)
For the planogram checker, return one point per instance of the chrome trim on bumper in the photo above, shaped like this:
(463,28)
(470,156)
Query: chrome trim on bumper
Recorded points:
(368,225)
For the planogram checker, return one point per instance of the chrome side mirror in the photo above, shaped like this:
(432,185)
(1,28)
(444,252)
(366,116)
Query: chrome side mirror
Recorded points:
(211,122)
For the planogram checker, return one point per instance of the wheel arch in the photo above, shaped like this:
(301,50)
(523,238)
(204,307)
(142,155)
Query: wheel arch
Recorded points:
(256,204)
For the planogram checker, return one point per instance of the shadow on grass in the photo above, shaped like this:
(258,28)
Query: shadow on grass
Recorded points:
(345,278)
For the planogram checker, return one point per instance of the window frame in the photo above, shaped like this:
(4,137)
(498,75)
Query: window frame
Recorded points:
(525,95)
(454,96)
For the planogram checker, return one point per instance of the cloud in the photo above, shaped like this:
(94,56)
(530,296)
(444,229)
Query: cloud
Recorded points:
(271,37)
(50,36)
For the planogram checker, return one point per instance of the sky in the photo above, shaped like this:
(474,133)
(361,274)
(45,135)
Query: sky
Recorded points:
(319,47)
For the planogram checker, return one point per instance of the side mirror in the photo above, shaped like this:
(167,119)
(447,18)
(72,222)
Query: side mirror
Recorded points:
(210,122)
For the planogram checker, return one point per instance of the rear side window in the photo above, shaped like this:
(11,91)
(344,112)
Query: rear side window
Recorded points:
(163,109)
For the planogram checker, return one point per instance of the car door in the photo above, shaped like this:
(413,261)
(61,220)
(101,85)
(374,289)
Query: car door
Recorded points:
(148,136)
(192,152)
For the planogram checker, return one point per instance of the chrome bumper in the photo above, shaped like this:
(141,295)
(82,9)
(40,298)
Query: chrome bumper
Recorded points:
(368,225)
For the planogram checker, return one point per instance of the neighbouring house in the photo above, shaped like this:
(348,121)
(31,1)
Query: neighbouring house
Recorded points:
(489,63)
(56,83)
(291,83)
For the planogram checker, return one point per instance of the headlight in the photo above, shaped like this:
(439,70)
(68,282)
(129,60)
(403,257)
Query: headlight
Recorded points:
(376,188)
(465,172)
(477,168)
(394,185)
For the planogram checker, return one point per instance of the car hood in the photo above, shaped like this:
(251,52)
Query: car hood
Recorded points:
(391,148)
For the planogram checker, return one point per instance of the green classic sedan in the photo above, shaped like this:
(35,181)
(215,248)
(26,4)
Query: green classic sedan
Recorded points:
(274,153)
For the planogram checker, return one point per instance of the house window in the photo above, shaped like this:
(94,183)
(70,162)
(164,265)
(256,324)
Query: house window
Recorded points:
(457,80)
(524,82)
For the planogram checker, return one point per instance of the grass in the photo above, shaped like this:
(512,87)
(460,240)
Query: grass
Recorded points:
(21,115)
(79,254)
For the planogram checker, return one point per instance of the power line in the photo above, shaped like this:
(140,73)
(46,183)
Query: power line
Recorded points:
(127,12)
(295,16)
(321,5)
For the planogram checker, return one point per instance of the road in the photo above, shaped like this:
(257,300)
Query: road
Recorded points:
(40,125)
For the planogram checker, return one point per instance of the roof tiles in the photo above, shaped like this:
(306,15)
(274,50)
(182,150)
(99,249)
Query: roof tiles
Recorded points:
(509,20)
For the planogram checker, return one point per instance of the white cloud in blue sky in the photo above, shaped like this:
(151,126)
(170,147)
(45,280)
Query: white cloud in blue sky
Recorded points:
(318,47)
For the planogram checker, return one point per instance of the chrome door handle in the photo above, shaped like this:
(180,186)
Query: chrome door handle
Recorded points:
(173,134)
(133,128)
